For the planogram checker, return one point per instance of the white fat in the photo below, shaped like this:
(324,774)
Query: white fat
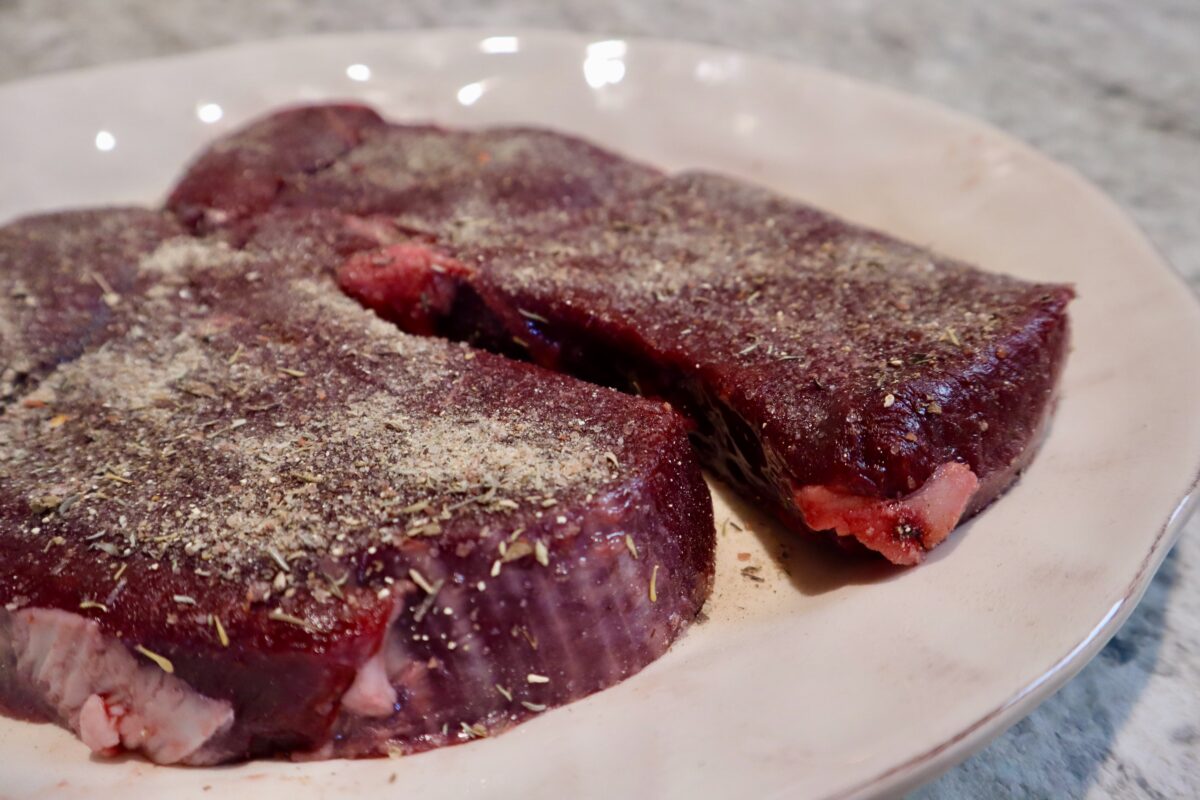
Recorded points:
(104,693)
(371,694)
(97,728)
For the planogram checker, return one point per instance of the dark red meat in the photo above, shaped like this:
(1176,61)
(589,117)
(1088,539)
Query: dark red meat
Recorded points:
(61,281)
(852,382)
(260,520)
(244,180)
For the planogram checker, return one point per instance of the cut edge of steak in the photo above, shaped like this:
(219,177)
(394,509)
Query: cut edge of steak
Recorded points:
(60,667)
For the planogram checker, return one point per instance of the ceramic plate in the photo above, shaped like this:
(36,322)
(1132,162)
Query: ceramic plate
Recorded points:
(827,679)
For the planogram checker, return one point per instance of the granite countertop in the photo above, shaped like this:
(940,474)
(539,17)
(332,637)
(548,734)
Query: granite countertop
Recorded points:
(1109,87)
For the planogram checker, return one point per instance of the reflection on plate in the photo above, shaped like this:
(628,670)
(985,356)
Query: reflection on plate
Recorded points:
(814,675)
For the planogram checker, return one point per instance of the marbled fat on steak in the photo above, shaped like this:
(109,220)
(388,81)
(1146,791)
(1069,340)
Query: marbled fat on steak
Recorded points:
(850,381)
(242,516)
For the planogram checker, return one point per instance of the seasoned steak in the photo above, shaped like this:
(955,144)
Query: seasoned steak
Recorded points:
(60,284)
(253,518)
(346,157)
(851,382)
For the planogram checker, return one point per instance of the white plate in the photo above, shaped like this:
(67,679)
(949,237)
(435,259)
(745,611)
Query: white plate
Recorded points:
(838,680)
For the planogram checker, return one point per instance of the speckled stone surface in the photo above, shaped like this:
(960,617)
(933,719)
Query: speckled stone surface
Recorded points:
(1109,87)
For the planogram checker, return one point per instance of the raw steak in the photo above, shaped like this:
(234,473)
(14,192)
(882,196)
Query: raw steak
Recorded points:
(59,285)
(851,382)
(247,517)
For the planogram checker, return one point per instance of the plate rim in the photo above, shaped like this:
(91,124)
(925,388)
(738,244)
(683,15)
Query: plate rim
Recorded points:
(926,765)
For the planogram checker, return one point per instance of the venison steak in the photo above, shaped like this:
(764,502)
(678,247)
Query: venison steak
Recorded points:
(849,381)
(241,516)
